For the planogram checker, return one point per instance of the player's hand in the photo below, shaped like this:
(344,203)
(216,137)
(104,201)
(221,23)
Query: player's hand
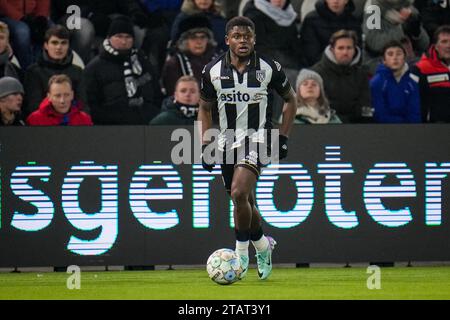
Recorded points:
(283,147)
(207,163)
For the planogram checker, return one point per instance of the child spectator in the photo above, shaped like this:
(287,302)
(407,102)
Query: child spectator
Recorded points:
(395,95)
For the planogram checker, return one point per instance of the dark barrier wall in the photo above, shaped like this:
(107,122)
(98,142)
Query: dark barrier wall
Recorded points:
(112,196)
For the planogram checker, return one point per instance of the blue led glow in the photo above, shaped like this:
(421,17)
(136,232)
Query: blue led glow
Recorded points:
(106,218)
(21,188)
(333,170)
(140,194)
(374,191)
(434,174)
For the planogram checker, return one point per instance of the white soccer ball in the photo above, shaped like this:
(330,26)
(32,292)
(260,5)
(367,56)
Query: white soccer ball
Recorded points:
(224,266)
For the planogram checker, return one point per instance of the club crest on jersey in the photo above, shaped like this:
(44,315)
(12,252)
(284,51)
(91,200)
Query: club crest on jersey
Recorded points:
(260,75)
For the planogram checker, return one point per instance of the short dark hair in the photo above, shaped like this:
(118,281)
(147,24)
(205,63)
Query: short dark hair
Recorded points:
(393,44)
(442,29)
(58,31)
(343,34)
(240,21)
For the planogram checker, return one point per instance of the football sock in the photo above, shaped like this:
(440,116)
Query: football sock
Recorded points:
(242,247)
(261,244)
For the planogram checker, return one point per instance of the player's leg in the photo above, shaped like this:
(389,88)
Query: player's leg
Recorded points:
(242,237)
(243,184)
(263,244)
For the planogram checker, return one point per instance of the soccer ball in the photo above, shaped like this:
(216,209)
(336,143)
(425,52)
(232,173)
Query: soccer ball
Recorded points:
(224,266)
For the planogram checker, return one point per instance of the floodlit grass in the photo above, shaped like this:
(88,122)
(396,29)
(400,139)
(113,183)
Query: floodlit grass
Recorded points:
(284,283)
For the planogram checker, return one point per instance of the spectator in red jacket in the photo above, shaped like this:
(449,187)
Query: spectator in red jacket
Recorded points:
(59,107)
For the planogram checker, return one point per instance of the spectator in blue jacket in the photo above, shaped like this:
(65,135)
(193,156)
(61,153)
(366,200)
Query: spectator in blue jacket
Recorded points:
(395,95)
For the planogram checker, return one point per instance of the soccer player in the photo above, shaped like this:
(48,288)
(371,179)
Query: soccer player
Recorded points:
(237,83)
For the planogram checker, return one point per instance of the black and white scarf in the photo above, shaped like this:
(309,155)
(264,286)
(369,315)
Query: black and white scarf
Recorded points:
(132,69)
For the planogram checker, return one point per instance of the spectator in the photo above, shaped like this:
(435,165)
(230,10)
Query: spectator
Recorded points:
(27,22)
(195,47)
(82,38)
(59,108)
(161,14)
(433,75)
(346,81)
(395,95)
(120,81)
(7,66)
(276,26)
(56,58)
(399,20)
(312,104)
(212,10)
(318,26)
(11,98)
(435,13)
(183,107)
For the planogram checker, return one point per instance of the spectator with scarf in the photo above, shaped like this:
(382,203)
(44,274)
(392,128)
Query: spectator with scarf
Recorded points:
(120,81)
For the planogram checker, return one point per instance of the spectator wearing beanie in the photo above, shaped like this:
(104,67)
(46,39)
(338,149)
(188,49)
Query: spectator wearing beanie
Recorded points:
(120,81)
(213,12)
(312,104)
(195,47)
(11,98)
(59,107)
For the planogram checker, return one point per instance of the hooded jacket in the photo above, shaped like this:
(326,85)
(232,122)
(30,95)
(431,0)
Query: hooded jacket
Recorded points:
(320,24)
(47,116)
(346,86)
(395,101)
(38,74)
(433,77)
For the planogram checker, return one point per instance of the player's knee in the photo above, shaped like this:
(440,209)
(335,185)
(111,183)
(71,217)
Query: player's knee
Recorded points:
(239,196)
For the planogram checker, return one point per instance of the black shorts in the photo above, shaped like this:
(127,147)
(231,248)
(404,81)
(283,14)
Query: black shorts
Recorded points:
(252,157)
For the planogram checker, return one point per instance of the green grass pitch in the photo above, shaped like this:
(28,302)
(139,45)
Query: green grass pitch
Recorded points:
(193,284)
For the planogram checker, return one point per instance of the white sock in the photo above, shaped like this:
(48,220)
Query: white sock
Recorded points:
(261,244)
(242,248)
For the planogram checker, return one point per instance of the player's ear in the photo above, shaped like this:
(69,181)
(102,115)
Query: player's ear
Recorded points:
(226,40)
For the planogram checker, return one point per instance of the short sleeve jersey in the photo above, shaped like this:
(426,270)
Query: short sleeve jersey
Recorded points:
(242,98)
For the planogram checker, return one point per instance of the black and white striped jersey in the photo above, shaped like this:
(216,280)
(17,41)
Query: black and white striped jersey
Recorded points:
(242,99)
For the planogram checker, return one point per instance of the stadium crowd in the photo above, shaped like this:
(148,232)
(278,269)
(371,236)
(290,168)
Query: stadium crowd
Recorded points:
(139,62)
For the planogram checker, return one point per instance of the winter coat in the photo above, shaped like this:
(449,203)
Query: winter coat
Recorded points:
(434,14)
(346,86)
(389,30)
(17,9)
(47,116)
(173,116)
(279,42)
(181,64)
(433,77)
(395,101)
(38,74)
(107,93)
(8,68)
(319,25)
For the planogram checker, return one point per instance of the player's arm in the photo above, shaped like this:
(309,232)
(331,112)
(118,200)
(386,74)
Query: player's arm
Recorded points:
(204,118)
(289,111)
